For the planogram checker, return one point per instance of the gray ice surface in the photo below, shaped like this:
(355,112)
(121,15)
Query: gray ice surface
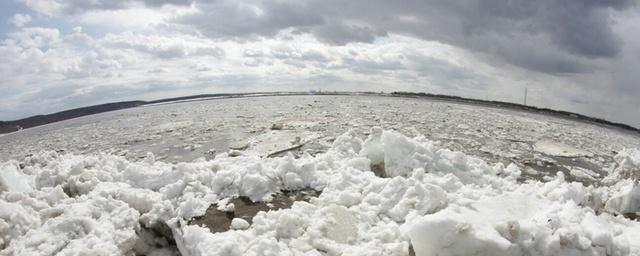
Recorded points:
(190,130)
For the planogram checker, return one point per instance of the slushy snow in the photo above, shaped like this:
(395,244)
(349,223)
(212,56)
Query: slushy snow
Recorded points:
(439,201)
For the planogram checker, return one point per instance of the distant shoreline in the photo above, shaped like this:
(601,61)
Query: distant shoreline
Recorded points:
(38,120)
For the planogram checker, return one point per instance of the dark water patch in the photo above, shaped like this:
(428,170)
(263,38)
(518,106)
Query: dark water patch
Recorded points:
(378,170)
(158,237)
(220,221)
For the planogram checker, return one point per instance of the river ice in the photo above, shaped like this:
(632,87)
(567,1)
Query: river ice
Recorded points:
(431,194)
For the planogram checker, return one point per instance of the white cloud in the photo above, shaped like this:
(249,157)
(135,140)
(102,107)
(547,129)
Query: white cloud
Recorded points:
(19,20)
(163,46)
(46,7)
(123,20)
(35,37)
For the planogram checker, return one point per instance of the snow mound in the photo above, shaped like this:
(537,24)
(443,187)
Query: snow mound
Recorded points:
(626,201)
(520,223)
(627,165)
(99,226)
(441,201)
(12,180)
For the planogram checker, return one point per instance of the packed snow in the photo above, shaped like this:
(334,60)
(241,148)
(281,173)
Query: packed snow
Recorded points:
(439,201)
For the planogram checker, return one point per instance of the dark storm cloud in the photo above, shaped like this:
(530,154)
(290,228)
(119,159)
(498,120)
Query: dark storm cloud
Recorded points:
(341,34)
(248,19)
(579,27)
(551,36)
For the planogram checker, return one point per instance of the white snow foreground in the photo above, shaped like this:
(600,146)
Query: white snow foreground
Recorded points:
(441,202)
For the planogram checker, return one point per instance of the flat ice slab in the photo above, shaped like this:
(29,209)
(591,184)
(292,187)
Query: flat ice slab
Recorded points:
(554,148)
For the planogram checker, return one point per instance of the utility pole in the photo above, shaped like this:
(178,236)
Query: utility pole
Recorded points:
(525,96)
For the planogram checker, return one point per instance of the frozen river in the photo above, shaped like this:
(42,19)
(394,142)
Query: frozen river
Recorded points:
(320,176)
(179,132)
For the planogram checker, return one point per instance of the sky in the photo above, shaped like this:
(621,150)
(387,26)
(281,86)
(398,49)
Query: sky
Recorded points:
(576,55)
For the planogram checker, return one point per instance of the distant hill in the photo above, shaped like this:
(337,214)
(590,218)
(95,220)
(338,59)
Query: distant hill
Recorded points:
(12,126)
(501,104)
(16,125)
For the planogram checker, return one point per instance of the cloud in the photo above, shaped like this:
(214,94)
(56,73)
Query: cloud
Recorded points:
(246,19)
(162,46)
(341,34)
(200,67)
(298,57)
(448,75)
(26,53)
(35,37)
(559,36)
(37,62)
(20,20)
(368,65)
(66,7)
(572,32)
(158,71)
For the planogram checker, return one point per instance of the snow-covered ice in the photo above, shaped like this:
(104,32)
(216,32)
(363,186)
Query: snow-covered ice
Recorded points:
(182,132)
(440,201)
(555,148)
